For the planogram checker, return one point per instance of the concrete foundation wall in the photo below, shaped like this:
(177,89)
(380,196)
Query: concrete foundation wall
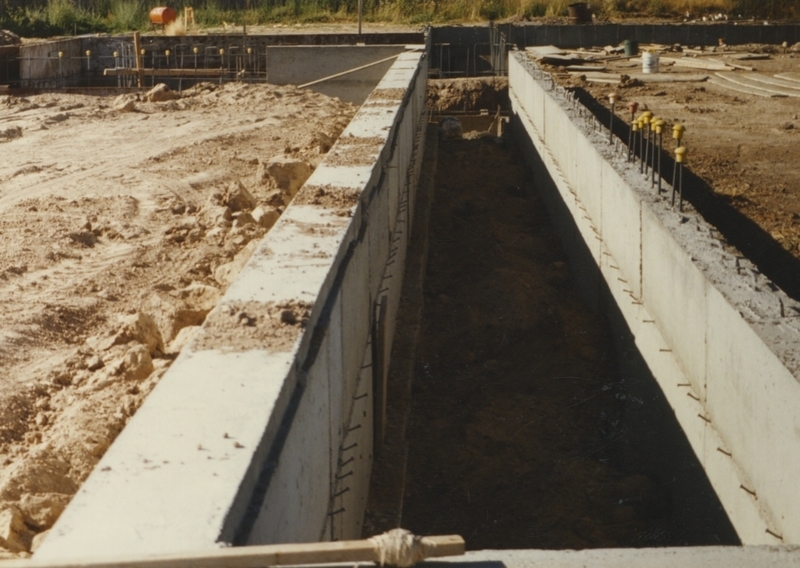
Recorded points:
(297,65)
(722,345)
(41,66)
(248,440)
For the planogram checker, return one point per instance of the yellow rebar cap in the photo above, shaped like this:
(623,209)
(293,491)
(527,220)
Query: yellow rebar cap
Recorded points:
(635,125)
(678,130)
(680,154)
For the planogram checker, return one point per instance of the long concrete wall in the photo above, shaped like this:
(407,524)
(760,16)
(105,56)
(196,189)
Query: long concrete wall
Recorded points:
(721,340)
(267,60)
(262,429)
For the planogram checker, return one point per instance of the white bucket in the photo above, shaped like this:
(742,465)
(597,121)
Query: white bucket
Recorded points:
(649,62)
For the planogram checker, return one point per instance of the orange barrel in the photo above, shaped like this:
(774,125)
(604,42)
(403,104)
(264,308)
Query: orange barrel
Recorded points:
(162,16)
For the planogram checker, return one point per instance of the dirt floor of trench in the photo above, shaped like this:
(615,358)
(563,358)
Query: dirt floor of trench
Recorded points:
(519,433)
(123,221)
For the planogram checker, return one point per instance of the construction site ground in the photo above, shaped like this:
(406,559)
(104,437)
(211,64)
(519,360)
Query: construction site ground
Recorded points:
(123,220)
(742,148)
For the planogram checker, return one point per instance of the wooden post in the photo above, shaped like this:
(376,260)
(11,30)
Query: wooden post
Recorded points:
(137,47)
(257,556)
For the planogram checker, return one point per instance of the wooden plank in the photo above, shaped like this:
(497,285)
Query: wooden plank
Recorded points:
(127,72)
(544,50)
(734,65)
(258,556)
(603,80)
(670,77)
(774,81)
(738,88)
(137,48)
(746,81)
(790,76)
(586,68)
(693,63)
(597,75)
(751,56)
(561,60)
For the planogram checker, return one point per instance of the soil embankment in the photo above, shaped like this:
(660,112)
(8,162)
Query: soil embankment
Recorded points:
(123,222)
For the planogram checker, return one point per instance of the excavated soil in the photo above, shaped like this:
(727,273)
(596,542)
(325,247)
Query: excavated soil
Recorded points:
(123,221)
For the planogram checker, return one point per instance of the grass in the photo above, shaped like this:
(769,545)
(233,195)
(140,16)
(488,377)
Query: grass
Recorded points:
(64,17)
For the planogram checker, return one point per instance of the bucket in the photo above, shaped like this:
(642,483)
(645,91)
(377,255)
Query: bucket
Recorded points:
(649,62)
(631,47)
(579,13)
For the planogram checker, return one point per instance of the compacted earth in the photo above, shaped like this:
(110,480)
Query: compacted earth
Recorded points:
(519,433)
(123,221)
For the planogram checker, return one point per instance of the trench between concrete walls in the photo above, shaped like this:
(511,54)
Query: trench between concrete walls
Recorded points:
(725,378)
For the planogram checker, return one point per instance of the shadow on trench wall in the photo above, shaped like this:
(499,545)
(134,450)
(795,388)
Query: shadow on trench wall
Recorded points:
(650,440)
(756,244)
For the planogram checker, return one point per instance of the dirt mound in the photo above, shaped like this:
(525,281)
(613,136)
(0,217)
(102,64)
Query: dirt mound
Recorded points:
(447,95)
(122,228)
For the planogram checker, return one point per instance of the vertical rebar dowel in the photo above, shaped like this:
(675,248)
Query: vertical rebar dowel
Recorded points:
(641,145)
(680,158)
(613,99)
(660,151)
(633,107)
(116,66)
(674,182)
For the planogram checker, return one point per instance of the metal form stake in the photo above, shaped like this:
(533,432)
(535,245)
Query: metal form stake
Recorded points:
(89,67)
(677,176)
(641,144)
(660,131)
(633,107)
(658,127)
(612,98)
(632,141)
(646,116)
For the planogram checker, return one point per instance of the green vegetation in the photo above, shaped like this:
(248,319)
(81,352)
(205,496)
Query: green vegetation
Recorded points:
(66,17)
